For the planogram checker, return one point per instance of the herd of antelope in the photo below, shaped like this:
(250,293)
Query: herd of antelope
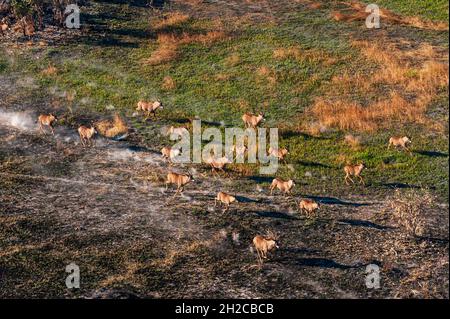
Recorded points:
(262,244)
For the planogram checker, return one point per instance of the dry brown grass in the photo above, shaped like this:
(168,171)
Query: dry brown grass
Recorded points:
(169,44)
(414,78)
(50,71)
(170,20)
(287,53)
(163,54)
(113,128)
(174,253)
(355,11)
(267,74)
(222,77)
(129,276)
(232,60)
(168,83)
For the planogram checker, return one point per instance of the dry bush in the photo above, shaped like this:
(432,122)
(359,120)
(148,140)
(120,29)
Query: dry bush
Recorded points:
(112,129)
(410,210)
(168,83)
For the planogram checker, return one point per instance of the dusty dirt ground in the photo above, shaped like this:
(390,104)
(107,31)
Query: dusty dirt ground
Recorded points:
(105,208)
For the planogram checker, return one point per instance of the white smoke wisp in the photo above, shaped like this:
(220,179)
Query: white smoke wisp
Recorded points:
(18,120)
(120,154)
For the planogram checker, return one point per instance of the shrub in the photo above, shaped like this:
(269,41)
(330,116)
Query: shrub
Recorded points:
(410,209)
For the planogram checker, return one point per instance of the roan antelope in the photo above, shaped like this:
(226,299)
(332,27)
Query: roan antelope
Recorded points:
(353,170)
(251,120)
(86,134)
(149,107)
(218,163)
(264,244)
(400,142)
(170,153)
(284,186)
(180,180)
(47,120)
(3,27)
(309,206)
(225,199)
(279,153)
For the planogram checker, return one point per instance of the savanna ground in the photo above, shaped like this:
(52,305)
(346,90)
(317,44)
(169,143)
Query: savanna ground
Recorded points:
(336,90)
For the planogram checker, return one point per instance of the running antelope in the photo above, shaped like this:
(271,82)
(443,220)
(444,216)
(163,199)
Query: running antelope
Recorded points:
(149,107)
(170,153)
(284,186)
(86,134)
(180,180)
(225,199)
(3,27)
(251,120)
(309,206)
(280,153)
(218,163)
(400,142)
(353,170)
(47,120)
(264,244)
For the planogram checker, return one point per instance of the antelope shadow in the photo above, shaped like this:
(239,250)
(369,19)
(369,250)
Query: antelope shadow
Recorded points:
(363,223)
(337,201)
(325,263)
(243,199)
(274,214)
(431,153)
(403,186)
